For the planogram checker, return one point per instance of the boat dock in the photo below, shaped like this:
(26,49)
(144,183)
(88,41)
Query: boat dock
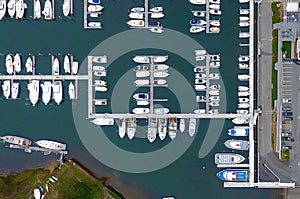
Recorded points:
(207,18)
(85,17)
(43,77)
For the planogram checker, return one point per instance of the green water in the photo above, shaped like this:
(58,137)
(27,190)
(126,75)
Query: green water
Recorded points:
(185,178)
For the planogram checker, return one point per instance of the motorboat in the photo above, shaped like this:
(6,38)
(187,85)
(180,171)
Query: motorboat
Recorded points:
(200,52)
(182,125)
(141,110)
(215,64)
(101,88)
(122,127)
(94,1)
(100,59)
(57,90)
(160,59)
(66,7)
(244,11)
(160,74)
(14,90)
(55,67)
(200,81)
(141,59)
(11,8)
(234,175)
(172,129)
(244,23)
(103,121)
(214,29)
(161,67)
(152,129)
(156,9)
(159,82)
(53,145)
(48,12)
(243,105)
(142,73)
(141,96)
(156,29)
(141,82)
(215,58)
(67,65)
(200,57)
(214,76)
(131,128)
(214,98)
(142,67)
(243,66)
(34,90)
(237,144)
(244,35)
(243,93)
(20,9)
(200,87)
(95,24)
(138,9)
(200,111)
(136,23)
(142,103)
(9,64)
(243,58)
(21,141)
(200,98)
(243,88)
(196,29)
(215,12)
(215,87)
(136,15)
(74,67)
(198,2)
(215,22)
(214,103)
(215,1)
(199,69)
(37,9)
(240,120)
(200,75)
(100,73)
(197,22)
(17,63)
(100,83)
(214,92)
(157,15)
(241,111)
(243,100)
(198,13)
(243,1)
(162,128)
(244,18)
(228,158)
(100,102)
(244,77)
(71,91)
(46,92)
(6,88)
(192,126)
(95,8)
(239,130)
(213,111)
(215,6)
(161,110)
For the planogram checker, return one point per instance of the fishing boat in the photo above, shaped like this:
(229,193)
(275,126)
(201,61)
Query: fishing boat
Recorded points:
(243,105)
(200,75)
(142,103)
(244,23)
(21,141)
(200,81)
(152,129)
(6,88)
(240,120)
(243,77)
(101,88)
(141,96)
(136,15)
(198,2)
(243,88)
(156,29)
(196,29)
(200,57)
(37,9)
(53,145)
(75,67)
(215,6)
(142,73)
(131,128)
(141,59)
(162,128)
(9,64)
(161,67)
(181,125)
(244,11)
(29,65)
(136,23)
(103,121)
(11,8)
(71,90)
(215,64)
(215,87)
(237,144)
(100,73)
(17,63)
(199,69)
(243,66)
(200,87)
(156,9)
(34,90)
(55,67)
(241,111)
(172,129)
(228,158)
(197,22)
(214,76)
(141,110)
(160,59)
(214,29)
(243,93)
(198,13)
(20,9)
(200,111)
(14,90)
(48,12)
(200,98)
(137,9)
(57,91)
(157,15)
(234,175)
(159,82)
(66,7)
(243,100)
(100,102)
(100,83)
(160,74)
(100,59)
(122,127)
(95,8)
(161,110)
(192,126)
(46,92)
(94,24)
(67,65)
(244,18)
(243,1)
(215,12)
(215,22)
(141,82)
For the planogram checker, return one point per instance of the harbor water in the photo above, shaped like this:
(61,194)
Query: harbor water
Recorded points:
(187,177)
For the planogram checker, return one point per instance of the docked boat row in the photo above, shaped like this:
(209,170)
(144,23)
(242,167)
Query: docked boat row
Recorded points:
(10,89)
(94,10)
(100,85)
(70,66)
(14,8)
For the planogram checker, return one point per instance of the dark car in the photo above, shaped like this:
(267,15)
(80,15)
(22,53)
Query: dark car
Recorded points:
(287,118)
(286,138)
(287,113)
(286,147)
(287,108)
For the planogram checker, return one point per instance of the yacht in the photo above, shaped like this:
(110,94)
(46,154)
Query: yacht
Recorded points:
(14,90)
(196,29)
(71,90)
(37,9)
(215,1)
(200,87)
(244,11)
(48,12)
(6,88)
(243,88)
(243,93)
(161,110)
(157,15)
(215,22)
(94,24)
(192,126)
(20,9)
(152,129)
(100,73)
(101,88)
(215,12)
(198,13)
(234,175)
(243,1)
(49,144)
(243,105)
(141,96)
(181,125)
(142,82)
(215,87)
(122,127)
(240,111)
(214,92)
(67,65)
(200,69)
(74,67)
(103,121)
(141,59)
(29,65)
(160,74)
(214,76)
(197,22)
(172,129)
(200,75)
(200,98)
(244,18)
(131,128)
(244,77)
(16,140)
(239,130)
(214,29)
(156,29)
(46,88)
(160,82)
(137,9)
(160,59)
(156,9)
(228,158)
(200,57)
(162,128)
(55,67)
(244,23)
(237,144)
(100,83)
(136,15)
(214,103)
(243,100)
(243,66)
(243,58)
(200,81)
(66,7)
(57,91)
(100,59)
(17,63)
(161,67)
(213,111)
(136,23)
(198,2)
(9,64)
(100,102)
(215,6)
(240,120)
(200,111)
(200,52)
(244,35)
(95,8)
(215,64)
(11,8)
(142,73)
(142,103)
(34,90)
(214,98)
(141,110)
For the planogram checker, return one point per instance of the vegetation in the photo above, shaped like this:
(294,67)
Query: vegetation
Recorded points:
(273,130)
(276,8)
(285,155)
(286,48)
(274,60)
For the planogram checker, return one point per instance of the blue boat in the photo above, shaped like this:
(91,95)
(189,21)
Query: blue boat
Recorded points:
(197,22)
(94,1)
(239,131)
(233,174)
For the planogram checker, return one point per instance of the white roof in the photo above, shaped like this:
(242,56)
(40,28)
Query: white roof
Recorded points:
(292,6)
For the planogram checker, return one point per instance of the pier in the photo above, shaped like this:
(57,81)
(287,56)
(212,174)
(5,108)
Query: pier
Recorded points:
(43,77)
(85,17)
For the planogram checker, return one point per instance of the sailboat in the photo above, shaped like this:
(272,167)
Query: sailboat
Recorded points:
(14,90)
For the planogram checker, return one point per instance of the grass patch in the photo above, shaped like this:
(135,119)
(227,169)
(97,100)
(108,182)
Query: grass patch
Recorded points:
(273,130)
(274,60)
(276,7)
(286,48)
(285,155)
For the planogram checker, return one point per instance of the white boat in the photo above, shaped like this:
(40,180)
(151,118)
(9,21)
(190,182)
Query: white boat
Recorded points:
(34,90)
(161,67)
(198,13)
(37,9)
(142,67)
(200,98)
(215,22)
(200,81)
(141,110)
(141,96)
(243,105)
(244,77)
(243,100)
(66,7)
(213,111)
(244,35)
(94,24)
(131,128)
(160,82)
(67,65)
(100,102)
(215,6)
(160,74)
(14,90)
(29,65)
(160,59)
(141,59)
(20,9)
(192,126)
(122,127)
(215,64)
(214,98)
(157,15)
(196,29)
(214,29)
(172,128)
(239,131)
(200,69)
(243,58)
(103,121)
(136,23)
(95,8)
(100,73)
(200,111)
(243,18)
(142,103)
(100,83)
(49,144)
(156,29)
(244,23)
(11,8)
(241,111)
(198,2)
(57,91)
(46,94)
(214,76)
(243,88)
(197,22)
(244,11)
(200,87)
(200,57)
(75,67)
(152,129)
(214,103)
(240,120)
(215,12)
(228,158)
(136,15)
(142,73)
(243,93)
(16,140)
(71,90)
(9,64)
(137,9)
(17,63)
(162,128)
(237,144)
(215,1)
(214,92)
(200,75)
(182,125)
(48,12)
(100,59)
(215,86)
(200,52)
(243,66)
(156,9)
(6,88)
(243,1)
(55,67)
(101,88)
(215,58)
(142,82)
(161,110)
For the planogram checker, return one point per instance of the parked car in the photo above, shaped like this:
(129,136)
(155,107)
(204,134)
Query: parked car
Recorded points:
(287,122)
(287,118)
(285,134)
(287,108)
(286,147)
(286,138)
(287,100)
(287,113)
